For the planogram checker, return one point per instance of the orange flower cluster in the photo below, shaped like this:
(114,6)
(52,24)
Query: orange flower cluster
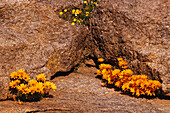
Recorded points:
(21,86)
(140,85)
(124,79)
(122,63)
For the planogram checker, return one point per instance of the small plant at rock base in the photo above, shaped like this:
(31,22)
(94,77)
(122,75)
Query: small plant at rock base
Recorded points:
(124,79)
(79,16)
(24,89)
(140,85)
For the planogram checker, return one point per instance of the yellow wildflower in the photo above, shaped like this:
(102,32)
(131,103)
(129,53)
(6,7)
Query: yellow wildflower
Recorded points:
(65,10)
(53,87)
(147,84)
(125,86)
(120,59)
(157,84)
(13,84)
(122,63)
(102,66)
(61,13)
(148,93)
(118,84)
(115,71)
(74,19)
(26,77)
(77,11)
(72,23)
(142,77)
(17,82)
(41,77)
(33,82)
(138,82)
(25,91)
(104,71)
(73,11)
(87,13)
(21,71)
(105,76)
(137,92)
(124,67)
(39,87)
(47,85)
(78,21)
(95,3)
(132,90)
(134,77)
(85,2)
(128,72)
(110,81)
(22,87)
(142,92)
(100,60)
(32,89)
(108,66)
(14,75)
(99,72)
(142,85)
(21,74)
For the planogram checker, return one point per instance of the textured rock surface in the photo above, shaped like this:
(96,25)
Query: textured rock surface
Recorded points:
(34,38)
(82,92)
(136,30)
(4,87)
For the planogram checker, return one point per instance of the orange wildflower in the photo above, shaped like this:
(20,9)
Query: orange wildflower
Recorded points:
(20,102)
(100,60)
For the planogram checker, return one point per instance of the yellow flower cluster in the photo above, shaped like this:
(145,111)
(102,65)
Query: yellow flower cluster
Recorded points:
(76,12)
(79,16)
(20,74)
(20,84)
(124,79)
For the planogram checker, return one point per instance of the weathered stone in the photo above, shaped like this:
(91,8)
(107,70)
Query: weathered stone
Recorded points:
(34,38)
(4,87)
(137,31)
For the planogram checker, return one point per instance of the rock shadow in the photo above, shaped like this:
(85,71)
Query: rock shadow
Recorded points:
(63,73)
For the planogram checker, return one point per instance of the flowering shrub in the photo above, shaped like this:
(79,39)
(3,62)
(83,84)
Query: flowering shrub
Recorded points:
(81,15)
(123,78)
(140,85)
(24,89)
